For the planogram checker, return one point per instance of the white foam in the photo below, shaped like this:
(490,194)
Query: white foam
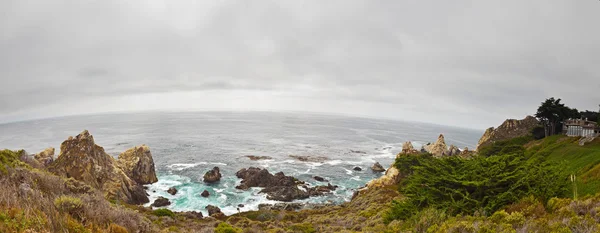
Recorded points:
(334,162)
(349,172)
(357,178)
(183,166)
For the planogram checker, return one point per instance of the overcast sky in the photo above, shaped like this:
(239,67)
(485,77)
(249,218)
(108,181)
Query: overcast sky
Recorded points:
(463,63)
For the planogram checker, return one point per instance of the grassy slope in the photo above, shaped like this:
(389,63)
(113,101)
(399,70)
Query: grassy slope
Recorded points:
(582,161)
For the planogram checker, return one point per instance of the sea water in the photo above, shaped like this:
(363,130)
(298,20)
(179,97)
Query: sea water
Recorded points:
(186,145)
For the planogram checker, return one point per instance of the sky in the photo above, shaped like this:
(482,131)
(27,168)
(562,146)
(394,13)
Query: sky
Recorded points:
(461,63)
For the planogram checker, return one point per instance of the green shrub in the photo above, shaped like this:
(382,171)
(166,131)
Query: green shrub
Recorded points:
(163,212)
(223,227)
(481,184)
(303,228)
(68,204)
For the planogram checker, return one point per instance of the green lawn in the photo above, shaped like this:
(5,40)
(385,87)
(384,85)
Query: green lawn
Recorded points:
(582,161)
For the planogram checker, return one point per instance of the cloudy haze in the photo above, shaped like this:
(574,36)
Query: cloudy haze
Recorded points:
(463,63)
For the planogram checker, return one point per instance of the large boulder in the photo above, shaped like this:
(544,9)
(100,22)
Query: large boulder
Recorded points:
(161,202)
(45,157)
(510,128)
(138,164)
(439,148)
(81,159)
(212,176)
(377,167)
(214,211)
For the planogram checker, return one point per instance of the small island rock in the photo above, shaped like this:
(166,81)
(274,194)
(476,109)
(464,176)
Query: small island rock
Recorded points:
(172,191)
(377,167)
(212,176)
(160,202)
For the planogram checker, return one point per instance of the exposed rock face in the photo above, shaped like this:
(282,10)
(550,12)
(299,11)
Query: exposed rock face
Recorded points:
(453,150)
(80,158)
(466,152)
(138,164)
(214,211)
(45,157)
(172,191)
(408,148)
(377,167)
(278,187)
(213,175)
(160,202)
(439,148)
(391,177)
(511,128)
(193,214)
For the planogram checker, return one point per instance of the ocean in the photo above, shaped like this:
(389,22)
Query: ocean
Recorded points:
(185,145)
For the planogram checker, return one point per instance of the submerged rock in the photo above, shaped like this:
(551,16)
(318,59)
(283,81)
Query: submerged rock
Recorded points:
(205,194)
(377,167)
(320,179)
(172,191)
(212,176)
(81,159)
(45,157)
(316,159)
(161,202)
(255,158)
(357,169)
(137,163)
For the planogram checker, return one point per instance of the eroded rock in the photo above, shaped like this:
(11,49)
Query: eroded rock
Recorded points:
(137,163)
(45,157)
(510,128)
(81,159)
(377,167)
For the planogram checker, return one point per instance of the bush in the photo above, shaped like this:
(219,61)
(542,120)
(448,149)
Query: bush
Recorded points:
(71,205)
(481,184)
(303,228)
(163,212)
(223,227)
(114,228)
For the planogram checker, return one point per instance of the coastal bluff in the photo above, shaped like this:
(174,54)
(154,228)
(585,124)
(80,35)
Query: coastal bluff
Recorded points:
(510,128)
(81,159)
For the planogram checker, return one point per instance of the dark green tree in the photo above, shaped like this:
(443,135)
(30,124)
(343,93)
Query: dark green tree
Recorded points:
(552,113)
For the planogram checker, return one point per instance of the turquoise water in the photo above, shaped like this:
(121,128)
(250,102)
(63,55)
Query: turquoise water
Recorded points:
(186,145)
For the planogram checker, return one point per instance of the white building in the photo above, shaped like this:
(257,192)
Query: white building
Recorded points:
(580,128)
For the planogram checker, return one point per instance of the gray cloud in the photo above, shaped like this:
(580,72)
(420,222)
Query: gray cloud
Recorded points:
(466,63)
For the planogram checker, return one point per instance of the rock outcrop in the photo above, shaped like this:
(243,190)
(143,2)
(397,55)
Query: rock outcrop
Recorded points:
(511,128)
(408,148)
(377,167)
(212,176)
(439,148)
(45,157)
(81,159)
(214,211)
(161,202)
(205,193)
(453,150)
(137,163)
(279,187)
(172,191)
(391,177)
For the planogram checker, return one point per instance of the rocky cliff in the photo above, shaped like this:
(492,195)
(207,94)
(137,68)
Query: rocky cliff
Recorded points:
(137,163)
(511,128)
(80,158)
